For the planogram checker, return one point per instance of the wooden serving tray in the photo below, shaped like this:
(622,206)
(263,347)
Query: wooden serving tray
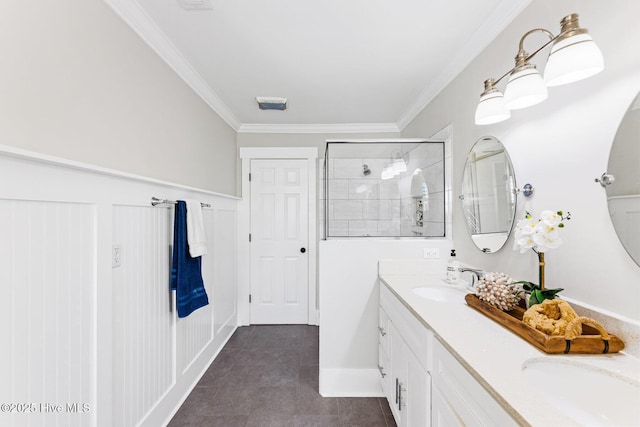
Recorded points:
(590,342)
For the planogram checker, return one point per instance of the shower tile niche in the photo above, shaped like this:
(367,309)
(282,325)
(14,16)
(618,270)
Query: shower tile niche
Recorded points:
(383,189)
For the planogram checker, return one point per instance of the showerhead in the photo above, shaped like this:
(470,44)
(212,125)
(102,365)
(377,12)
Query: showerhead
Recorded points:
(365,170)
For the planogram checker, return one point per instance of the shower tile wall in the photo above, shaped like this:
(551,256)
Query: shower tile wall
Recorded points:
(368,206)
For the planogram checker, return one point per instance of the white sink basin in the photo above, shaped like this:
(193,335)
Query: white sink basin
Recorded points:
(590,395)
(461,283)
(440,294)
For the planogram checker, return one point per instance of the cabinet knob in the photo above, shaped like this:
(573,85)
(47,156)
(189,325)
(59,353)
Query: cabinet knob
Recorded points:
(303,250)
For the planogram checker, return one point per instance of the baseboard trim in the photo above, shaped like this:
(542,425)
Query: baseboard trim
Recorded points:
(180,399)
(350,383)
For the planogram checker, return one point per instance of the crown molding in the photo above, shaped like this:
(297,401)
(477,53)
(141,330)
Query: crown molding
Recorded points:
(320,128)
(508,10)
(133,14)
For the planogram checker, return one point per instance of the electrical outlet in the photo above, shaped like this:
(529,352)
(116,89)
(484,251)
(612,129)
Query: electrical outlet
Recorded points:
(116,256)
(431,253)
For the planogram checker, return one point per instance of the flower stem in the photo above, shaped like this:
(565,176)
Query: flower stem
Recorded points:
(541,269)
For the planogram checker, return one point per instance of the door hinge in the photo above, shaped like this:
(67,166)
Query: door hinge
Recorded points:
(249,236)
(249,298)
(249,176)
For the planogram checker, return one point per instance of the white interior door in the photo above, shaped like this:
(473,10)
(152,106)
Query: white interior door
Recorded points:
(279,241)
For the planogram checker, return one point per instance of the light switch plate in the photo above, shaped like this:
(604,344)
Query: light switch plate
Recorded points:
(116,256)
(431,253)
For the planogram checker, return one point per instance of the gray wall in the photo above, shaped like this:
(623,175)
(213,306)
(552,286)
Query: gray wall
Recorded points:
(76,82)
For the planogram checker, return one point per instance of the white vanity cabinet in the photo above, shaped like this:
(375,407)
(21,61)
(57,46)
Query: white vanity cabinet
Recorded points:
(422,380)
(403,372)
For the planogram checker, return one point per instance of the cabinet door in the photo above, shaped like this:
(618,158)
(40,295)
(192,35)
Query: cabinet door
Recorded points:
(398,373)
(469,400)
(417,393)
(411,405)
(442,415)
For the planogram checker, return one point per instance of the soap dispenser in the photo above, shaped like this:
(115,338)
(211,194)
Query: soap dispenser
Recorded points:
(453,269)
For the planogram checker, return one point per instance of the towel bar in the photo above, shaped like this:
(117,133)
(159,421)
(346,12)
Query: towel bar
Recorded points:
(156,201)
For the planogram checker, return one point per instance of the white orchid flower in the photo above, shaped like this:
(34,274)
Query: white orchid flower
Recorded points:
(546,241)
(524,243)
(540,235)
(526,226)
(550,218)
(544,228)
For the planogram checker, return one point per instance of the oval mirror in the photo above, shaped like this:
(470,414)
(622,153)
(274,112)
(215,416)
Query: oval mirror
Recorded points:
(623,192)
(488,194)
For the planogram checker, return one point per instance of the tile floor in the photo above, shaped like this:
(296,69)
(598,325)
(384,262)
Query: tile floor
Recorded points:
(268,376)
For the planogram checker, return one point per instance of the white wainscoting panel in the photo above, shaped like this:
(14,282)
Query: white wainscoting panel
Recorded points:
(143,356)
(47,280)
(196,330)
(87,343)
(224,284)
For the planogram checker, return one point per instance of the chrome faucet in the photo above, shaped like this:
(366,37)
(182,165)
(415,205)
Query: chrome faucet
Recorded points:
(475,277)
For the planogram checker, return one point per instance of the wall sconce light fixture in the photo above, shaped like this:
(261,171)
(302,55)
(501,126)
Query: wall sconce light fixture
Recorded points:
(574,56)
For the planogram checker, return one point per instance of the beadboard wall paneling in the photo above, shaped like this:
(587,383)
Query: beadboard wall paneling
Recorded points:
(196,330)
(79,331)
(225,265)
(143,354)
(47,277)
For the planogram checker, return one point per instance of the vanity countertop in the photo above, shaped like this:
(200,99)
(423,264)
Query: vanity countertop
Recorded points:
(492,354)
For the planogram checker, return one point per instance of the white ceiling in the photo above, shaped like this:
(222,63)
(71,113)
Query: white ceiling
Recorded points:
(359,65)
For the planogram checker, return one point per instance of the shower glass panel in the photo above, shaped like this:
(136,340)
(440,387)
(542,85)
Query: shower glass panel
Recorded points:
(384,189)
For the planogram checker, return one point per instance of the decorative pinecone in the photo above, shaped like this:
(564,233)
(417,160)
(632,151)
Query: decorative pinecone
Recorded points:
(498,290)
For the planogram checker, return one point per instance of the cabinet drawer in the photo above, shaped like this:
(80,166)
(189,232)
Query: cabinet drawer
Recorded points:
(383,331)
(385,374)
(471,402)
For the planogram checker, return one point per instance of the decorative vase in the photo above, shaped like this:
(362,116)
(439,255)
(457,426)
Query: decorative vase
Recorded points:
(541,269)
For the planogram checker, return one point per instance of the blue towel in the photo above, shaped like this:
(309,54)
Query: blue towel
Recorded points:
(186,272)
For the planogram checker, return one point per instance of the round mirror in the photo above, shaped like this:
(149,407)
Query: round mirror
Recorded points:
(622,181)
(488,194)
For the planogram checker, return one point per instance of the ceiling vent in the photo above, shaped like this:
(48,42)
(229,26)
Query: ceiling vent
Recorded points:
(195,4)
(267,103)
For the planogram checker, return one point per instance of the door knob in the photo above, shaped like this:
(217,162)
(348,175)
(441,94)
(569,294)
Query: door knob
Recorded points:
(303,250)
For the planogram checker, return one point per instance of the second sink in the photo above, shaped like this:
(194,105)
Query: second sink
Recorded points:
(590,395)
